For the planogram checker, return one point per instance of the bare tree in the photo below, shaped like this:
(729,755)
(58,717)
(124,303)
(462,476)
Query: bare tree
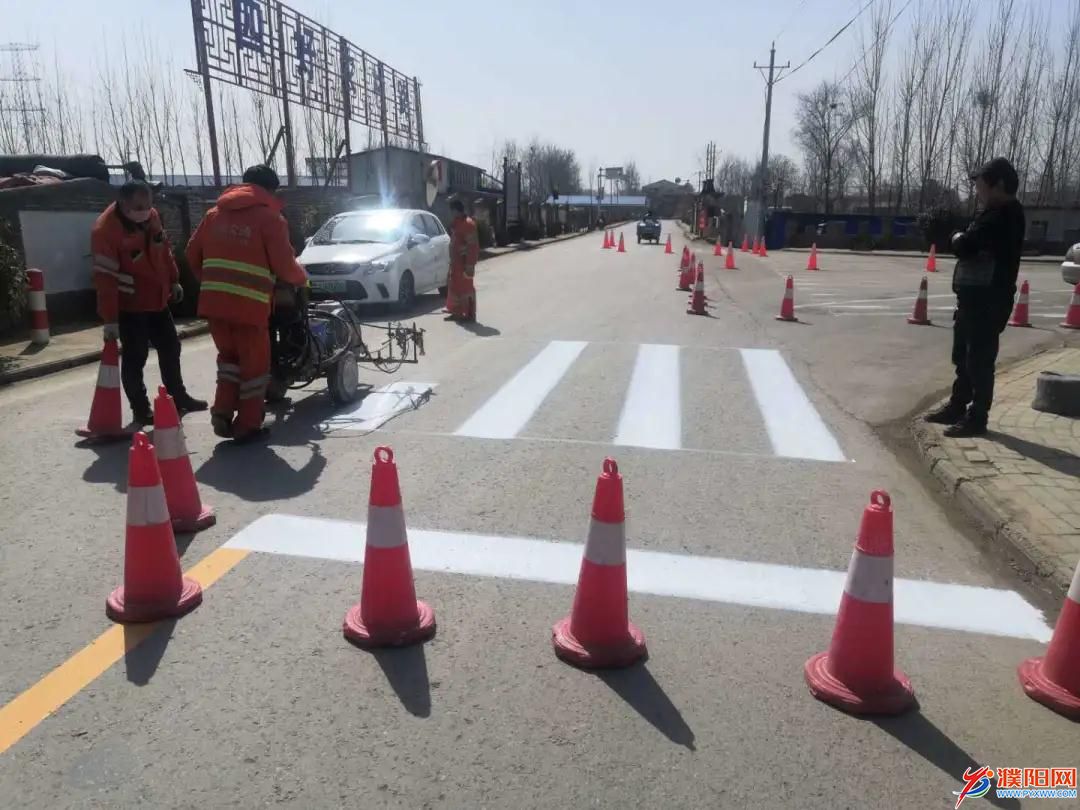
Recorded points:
(823,130)
(631,179)
(912,75)
(866,99)
(944,54)
(735,176)
(1061,113)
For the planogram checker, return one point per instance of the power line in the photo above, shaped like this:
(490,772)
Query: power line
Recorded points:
(790,19)
(830,41)
(880,36)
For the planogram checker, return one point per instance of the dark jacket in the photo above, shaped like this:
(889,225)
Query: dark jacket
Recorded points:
(1000,231)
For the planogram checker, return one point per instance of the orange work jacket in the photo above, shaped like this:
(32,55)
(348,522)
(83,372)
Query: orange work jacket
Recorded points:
(464,244)
(134,268)
(240,249)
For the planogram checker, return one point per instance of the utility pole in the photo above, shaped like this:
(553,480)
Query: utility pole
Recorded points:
(24,104)
(763,192)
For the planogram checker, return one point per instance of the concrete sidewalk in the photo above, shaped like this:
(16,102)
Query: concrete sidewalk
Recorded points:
(79,345)
(1021,482)
(21,360)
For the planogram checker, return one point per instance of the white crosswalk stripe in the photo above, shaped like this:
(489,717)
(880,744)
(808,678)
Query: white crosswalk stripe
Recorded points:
(554,397)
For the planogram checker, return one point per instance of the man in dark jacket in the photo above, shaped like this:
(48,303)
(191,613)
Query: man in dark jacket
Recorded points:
(988,260)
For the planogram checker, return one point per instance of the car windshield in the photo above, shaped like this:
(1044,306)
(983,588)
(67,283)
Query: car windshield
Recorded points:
(361,228)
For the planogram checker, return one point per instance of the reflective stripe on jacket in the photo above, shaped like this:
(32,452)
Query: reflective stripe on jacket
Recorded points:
(133,265)
(238,252)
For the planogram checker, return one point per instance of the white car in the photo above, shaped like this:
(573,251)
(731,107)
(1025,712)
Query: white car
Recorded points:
(378,256)
(1070,268)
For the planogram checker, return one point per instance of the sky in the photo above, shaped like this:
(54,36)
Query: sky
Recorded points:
(615,81)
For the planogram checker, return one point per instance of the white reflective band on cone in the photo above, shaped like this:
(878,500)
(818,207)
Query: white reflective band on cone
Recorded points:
(36,300)
(108,376)
(870,578)
(606,544)
(169,443)
(386,526)
(1074,589)
(146,506)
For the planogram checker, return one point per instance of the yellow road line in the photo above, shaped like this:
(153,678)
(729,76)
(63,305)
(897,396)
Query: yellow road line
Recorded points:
(19,717)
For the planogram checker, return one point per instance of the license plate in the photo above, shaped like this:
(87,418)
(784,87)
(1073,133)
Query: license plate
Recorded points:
(329,285)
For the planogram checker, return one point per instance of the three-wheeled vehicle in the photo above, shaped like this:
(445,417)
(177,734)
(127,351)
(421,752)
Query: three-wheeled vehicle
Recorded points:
(310,339)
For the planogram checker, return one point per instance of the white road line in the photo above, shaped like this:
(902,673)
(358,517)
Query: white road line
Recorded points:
(989,611)
(652,415)
(512,406)
(381,405)
(795,428)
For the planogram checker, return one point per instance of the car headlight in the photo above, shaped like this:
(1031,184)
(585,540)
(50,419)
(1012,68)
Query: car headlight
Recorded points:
(1073,253)
(376,267)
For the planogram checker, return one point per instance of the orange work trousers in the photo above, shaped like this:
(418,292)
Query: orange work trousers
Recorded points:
(243,364)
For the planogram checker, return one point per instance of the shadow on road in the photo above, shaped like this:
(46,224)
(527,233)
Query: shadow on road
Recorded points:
(479,329)
(109,465)
(640,690)
(1062,461)
(144,646)
(256,473)
(406,670)
(928,741)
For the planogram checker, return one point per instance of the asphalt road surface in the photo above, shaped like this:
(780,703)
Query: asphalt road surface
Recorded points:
(743,441)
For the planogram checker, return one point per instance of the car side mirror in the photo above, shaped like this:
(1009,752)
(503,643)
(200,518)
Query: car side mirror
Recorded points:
(307,242)
(417,239)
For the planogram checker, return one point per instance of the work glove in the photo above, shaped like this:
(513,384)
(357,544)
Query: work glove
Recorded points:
(177,294)
(111,331)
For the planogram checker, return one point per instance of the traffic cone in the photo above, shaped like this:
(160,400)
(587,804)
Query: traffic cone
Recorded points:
(686,278)
(787,306)
(745,244)
(106,417)
(608,241)
(605,244)
(622,247)
(186,509)
(154,587)
(764,252)
(598,632)
(1020,313)
(857,673)
(918,314)
(754,248)
(685,260)
(388,613)
(667,245)
(697,299)
(1072,315)
(1054,680)
(718,248)
(729,262)
(931,260)
(811,263)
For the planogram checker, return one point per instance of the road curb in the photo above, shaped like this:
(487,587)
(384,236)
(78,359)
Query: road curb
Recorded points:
(992,519)
(84,358)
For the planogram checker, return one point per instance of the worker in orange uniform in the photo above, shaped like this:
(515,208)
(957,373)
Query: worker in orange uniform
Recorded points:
(136,278)
(464,252)
(239,251)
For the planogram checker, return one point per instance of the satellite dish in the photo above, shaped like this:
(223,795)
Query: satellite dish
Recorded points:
(432,179)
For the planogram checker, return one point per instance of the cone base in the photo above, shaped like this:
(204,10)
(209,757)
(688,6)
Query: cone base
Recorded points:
(572,651)
(1014,323)
(1040,688)
(792,319)
(104,436)
(897,697)
(693,311)
(129,613)
(204,520)
(683,289)
(920,321)
(367,638)
(1067,325)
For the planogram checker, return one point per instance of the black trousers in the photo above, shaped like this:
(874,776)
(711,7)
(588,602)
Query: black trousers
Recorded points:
(138,332)
(976,332)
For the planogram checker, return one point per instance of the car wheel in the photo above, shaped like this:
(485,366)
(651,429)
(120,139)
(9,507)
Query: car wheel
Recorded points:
(406,295)
(343,379)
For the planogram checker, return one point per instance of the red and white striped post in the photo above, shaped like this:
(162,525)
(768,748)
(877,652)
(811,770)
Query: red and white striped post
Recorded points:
(39,315)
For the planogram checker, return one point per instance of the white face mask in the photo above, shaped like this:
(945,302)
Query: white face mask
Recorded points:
(138,216)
